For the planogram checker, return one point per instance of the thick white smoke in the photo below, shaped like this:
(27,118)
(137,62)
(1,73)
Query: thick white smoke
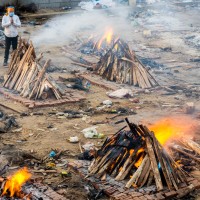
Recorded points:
(59,29)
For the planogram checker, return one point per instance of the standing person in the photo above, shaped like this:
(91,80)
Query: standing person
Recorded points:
(10,23)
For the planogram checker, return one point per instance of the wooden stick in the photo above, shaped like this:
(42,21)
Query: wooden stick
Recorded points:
(138,172)
(80,64)
(176,148)
(160,158)
(7,107)
(193,145)
(80,147)
(39,78)
(154,164)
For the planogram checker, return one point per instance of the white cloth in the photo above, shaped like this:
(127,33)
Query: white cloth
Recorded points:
(10,29)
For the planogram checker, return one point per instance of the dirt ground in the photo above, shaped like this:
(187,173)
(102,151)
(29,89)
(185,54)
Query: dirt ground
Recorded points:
(178,70)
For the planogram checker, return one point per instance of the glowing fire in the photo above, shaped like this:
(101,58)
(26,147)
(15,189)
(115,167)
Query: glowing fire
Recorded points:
(106,37)
(173,128)
(139,161)
(13,185)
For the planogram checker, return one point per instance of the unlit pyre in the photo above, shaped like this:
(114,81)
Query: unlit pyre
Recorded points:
(28,77)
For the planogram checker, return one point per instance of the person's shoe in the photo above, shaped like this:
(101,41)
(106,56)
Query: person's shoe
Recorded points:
(5,63)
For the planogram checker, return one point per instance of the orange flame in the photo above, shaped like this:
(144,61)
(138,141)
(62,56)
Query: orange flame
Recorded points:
(106,37)
(14,183)
(174,128)
(139,161)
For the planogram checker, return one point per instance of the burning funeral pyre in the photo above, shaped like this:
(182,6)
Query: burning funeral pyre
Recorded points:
(137,157)
(96,45)
(13,185)
(121,65)
(118,62)
(21,186)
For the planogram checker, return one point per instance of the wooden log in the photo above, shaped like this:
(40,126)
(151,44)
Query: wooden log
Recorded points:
(14,56)
(144,179)
(22,77)
(39,79)
(127,166)
(186,191)
(170,172)
(44,95)
(154,164)
(103,168)
(11,74)
(7,107)
(80,64)
(119,162)
(27,88)
(178,149)
(98,164)
(150,178)
(20,67)
(138,172)
(183,173)
(160,159)
(193,145)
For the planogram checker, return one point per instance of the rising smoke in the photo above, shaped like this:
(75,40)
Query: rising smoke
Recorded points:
(60,29)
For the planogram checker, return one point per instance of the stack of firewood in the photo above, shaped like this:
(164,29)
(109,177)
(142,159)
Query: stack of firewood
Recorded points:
(28,77)
(186,153)
(137,157)
(121,65)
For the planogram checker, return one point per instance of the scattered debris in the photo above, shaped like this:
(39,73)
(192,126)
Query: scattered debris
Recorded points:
(97,4)
(107,102)
(8,122)
(190,108)
(121,93)
(73,139)
(91,132)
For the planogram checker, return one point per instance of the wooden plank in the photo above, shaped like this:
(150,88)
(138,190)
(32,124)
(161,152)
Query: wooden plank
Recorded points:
(138,172)
(39,78)
(20,67)
(163,166)
(144,175)
(154,164)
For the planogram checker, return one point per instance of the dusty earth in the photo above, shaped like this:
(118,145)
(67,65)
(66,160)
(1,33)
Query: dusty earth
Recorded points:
(177,69)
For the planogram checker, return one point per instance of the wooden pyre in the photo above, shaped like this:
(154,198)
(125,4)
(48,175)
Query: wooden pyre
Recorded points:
(28,77)
(121,65)
(137,157)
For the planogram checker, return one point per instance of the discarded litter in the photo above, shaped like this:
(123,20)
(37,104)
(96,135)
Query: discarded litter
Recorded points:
(107,102)
(121,93)
(74,139)
(91,132)
(88,146)
(52,154)
(90,5)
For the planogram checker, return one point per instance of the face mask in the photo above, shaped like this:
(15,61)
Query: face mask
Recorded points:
(11,14)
